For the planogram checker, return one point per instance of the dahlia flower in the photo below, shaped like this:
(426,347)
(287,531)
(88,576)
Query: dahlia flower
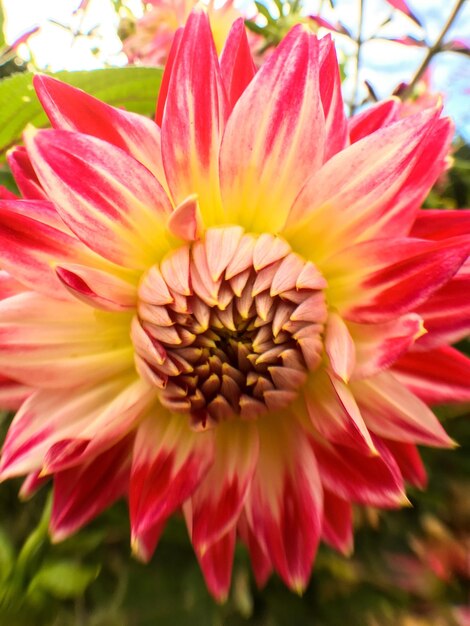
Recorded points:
(237,311)
(154,32)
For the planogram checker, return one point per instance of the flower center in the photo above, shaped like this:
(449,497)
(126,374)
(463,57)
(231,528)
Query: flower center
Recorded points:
(229,326)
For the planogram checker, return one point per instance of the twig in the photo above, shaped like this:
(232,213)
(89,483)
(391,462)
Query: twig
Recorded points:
(358,56)
(433,50)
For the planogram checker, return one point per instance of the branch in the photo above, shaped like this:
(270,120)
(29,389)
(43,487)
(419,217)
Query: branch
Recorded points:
(432,51)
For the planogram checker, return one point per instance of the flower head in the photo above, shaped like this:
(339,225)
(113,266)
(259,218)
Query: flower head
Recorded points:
(225,311)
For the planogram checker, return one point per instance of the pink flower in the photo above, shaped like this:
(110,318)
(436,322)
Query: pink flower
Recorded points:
(226,311)
(151,42)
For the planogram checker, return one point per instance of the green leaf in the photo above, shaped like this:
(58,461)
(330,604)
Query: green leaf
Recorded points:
(132,88)
(264,11)
(2,25)
(64,579)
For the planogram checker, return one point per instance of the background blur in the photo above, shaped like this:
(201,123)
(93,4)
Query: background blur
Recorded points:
(409,567)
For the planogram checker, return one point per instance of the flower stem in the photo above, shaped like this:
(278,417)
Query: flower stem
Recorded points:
(432,51)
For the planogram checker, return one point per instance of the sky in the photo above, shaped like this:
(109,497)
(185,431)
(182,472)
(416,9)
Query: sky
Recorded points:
(384,64)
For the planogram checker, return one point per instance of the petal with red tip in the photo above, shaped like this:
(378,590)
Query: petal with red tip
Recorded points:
(393,412)
(260,561)
(284,507)
(274,137)
(194,118)
(336,124)
(359,182)
(374,117)
(98,288)
(352,476)
(236,63)
(411,466)
(169,462)
(25,176)
(163,92)
(60,344)
(216,565)
(337,530)
(217,503)
(378,280)
(81,493)
(436,376)
(110,200)
(334,413)
(379,345)
(69,108)
(56,430)
(438,225)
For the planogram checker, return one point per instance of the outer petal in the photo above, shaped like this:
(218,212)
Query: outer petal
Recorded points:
(260,561)
(378,280)
(407,457)
(337,530)
(216,565)
(438,225)
(163,92)
(380,345)
(82,492)
(56,430)
(193,119)
(436,376)
(169,461)
(274,137)
(358,183)
(30,246)
(57,344)
(98,288)
(330,91)
(69,108)
(106,197)
(371,480)
(12,394)
(374,117)
(391,411)
(217,503)
(25,176)
(236,63)
(335,414)
(284,508)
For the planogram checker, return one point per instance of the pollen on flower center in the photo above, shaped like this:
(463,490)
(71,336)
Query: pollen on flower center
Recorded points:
(229,326)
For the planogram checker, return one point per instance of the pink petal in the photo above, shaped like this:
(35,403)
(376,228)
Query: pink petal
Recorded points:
(236,63)
(193,118)
(340,348)
(332,101)
(370,480)
(260,561)
(69,108)
(334,413)
(25,176)
(378,280)
(82,492)
(391,411)
(163,92)
(169,461)
(438,225)
(358,182)
(186,221)
(411,466)
(274,137)
(106,197)
(12,394)
(55,430)
(284,508)
(98,288)
(217,503)
(60,344)
(337,530)
(374,117)
(379,345)
(216,565)
(436,376)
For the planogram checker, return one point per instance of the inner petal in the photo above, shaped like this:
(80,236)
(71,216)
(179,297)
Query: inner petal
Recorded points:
(236,342)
